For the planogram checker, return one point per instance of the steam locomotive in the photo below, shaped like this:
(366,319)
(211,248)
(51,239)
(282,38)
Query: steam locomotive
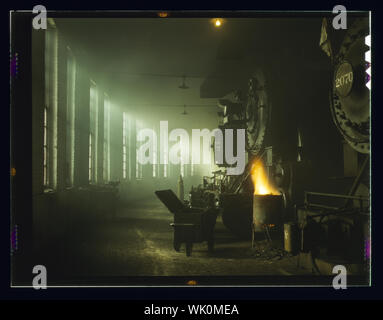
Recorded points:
(306,112)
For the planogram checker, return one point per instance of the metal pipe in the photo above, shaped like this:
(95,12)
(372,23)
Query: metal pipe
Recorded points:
(335,195)
(323,206)
(307,204)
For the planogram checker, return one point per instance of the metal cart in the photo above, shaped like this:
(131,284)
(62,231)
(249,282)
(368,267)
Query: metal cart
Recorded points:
(190,225)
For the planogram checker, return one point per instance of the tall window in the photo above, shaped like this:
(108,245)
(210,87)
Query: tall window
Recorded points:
(154,161)
(70,119)
(106,169)
(182,164)
(46,148)
(93,133)
(165,165)
(138,164)
(50,109)
(125,145)
(90,160)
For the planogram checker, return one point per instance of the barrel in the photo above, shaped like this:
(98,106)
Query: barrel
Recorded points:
(267,210)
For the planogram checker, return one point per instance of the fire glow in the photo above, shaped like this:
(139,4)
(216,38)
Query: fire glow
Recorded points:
(260,181)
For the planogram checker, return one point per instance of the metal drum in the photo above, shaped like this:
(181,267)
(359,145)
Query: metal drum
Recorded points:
(267,210)
(236,210)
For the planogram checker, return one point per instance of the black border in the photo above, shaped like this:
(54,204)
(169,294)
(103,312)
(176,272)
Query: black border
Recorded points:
(24,152)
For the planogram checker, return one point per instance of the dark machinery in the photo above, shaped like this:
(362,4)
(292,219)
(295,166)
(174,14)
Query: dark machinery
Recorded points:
(190,224)
(333,225)
(350,97)
(288,126)
(234,194)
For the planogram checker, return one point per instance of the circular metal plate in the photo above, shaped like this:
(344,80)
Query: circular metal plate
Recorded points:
(344,77)
(350,98)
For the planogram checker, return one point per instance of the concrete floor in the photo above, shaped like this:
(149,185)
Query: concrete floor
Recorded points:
(139,242)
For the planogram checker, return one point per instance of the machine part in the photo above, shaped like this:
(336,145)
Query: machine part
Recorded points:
(363,191)
(177,245)
(350,98)
(295,182)
(257,111)
(238,182)
(340,234)
(285,199)
(181,188)
(309,204)
(324,41)
(232,111)
(358,179)
(190,225)
(281,178)
(267,210)
(189,248)
(267,233)
(236,210)
(291,236)
(311,235)
(299,146)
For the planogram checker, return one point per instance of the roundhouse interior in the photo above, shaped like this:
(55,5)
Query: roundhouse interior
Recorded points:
(86,206)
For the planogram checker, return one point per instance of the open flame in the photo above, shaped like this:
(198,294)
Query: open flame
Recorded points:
(260,181)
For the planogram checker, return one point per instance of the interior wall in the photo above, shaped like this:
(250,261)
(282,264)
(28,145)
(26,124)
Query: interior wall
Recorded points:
(57,210)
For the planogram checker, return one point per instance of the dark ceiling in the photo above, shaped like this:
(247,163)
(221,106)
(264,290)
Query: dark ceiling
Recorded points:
(141,61)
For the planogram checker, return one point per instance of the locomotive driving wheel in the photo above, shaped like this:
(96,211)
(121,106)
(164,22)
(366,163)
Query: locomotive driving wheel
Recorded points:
(257,113)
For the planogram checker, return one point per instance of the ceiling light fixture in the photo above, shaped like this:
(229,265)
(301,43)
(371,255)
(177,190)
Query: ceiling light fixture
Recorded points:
(217,23)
